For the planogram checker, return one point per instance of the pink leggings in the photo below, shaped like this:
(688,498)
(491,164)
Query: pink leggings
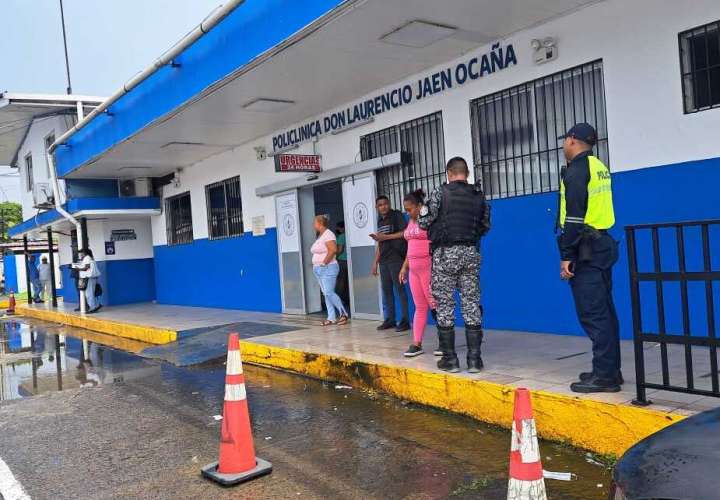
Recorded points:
(420,288)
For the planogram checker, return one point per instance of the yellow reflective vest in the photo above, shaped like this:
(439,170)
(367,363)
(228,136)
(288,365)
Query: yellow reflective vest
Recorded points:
(600,213)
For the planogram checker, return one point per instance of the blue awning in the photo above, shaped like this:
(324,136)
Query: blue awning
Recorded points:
(253,28)
(78,205)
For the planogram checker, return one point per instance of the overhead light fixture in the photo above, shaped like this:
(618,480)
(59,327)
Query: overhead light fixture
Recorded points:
(268,105)
(418,34)
(134,168)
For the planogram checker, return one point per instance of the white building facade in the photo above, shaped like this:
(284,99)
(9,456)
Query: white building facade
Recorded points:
(236,233)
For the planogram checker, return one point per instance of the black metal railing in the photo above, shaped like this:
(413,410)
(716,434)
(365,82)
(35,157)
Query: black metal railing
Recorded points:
(677,259)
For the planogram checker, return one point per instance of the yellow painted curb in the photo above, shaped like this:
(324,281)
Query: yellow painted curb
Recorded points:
(142,333)
(605,428)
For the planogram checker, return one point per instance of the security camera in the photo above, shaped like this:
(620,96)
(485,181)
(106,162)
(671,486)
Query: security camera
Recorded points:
(548,42)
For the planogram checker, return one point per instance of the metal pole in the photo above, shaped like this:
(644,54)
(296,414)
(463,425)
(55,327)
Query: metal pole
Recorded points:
(67,59)
(27,270)
(84,244)
(51,254)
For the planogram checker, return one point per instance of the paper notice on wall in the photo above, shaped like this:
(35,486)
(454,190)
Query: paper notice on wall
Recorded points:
(258,225)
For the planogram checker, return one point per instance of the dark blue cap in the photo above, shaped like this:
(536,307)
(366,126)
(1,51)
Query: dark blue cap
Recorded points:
(582,132)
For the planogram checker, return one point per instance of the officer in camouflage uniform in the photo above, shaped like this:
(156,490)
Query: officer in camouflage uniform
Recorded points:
(456,217)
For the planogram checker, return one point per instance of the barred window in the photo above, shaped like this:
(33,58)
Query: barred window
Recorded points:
(700,66)
(224,208)
(516,150)
(422,145)
(178,218)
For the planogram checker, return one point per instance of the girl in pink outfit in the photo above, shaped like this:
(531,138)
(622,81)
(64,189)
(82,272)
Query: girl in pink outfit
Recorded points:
(418,262)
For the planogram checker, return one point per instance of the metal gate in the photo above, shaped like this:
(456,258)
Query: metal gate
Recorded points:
(676,258)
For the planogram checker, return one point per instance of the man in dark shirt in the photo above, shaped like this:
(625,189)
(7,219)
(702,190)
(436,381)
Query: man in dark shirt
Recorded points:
(389,257)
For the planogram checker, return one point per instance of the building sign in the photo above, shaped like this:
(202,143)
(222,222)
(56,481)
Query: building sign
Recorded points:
(499,58)
(297,163)
(122,235)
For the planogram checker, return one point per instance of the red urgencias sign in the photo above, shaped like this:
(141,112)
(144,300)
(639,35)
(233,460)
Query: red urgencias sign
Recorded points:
(297,163)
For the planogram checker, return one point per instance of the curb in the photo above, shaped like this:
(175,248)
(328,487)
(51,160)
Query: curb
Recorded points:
(146,334)
(605,428)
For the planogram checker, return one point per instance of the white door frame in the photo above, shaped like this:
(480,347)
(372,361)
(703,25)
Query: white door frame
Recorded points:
(291,195)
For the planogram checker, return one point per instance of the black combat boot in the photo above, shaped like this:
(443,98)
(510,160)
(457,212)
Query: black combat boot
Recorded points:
(474,336)
(449,361)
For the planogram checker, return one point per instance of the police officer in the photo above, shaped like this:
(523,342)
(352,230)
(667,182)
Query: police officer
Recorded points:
(456,217)
(587,254)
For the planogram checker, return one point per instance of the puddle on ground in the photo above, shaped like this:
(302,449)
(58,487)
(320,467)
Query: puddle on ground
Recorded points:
(41,358)
(366,440)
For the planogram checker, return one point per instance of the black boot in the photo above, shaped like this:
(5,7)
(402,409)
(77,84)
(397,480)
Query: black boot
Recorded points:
(449,361)
(474,336)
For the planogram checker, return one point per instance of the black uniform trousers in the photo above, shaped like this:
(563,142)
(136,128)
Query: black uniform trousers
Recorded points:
(389,281)
(592,290)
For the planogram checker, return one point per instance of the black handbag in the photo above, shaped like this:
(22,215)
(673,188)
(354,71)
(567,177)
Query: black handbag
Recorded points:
(82,284)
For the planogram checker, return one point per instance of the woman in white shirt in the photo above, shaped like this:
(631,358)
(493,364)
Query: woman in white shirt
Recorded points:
(89,271)
(326,271)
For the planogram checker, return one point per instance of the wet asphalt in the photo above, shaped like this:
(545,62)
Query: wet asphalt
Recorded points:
(127,427)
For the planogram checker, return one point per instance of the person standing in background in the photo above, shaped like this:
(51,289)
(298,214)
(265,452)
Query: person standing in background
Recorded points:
(44,275)
(34,275)
(389,257)
(456,217)
(418,265)
(342,288)
(90,273)
(326,269)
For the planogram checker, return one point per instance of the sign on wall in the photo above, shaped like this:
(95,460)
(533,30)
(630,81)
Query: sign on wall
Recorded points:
(109,248)
(122,235)
(258,225)
(297,163)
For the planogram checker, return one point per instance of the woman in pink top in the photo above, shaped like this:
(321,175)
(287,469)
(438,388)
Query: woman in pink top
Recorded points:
(419,263)
(326,270)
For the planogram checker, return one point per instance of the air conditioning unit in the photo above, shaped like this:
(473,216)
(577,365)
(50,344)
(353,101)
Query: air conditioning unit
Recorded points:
(127,188)
(43,195)
(135,187)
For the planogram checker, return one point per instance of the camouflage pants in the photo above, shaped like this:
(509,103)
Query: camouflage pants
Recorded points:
(456,268)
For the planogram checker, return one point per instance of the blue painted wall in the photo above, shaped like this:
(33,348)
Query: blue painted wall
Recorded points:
(10,273)
(522,290)
(520,274)
(123,282)
(91,188)
(234,273)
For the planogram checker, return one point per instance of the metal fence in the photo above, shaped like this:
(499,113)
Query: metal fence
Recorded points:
(673,282)
(423,161)
(515,131)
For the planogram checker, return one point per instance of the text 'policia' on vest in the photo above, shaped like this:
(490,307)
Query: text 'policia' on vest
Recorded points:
(600,214)
(464,216)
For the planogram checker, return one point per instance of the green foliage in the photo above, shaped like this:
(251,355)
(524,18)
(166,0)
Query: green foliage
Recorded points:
(10,214)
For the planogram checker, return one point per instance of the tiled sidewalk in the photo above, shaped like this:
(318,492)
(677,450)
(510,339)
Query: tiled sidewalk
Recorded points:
(537,361)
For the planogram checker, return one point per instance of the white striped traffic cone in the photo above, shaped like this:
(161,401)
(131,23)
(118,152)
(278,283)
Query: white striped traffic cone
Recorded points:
(526,472)
(238,462)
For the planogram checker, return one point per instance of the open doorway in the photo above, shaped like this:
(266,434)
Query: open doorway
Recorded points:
(322,199)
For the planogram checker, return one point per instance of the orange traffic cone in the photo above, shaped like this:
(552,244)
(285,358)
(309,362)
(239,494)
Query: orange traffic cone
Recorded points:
(11,303)
(526,472)
(238,462)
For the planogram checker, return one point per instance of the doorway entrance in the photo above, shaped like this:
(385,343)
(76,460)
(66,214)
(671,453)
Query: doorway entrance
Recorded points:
(350,200)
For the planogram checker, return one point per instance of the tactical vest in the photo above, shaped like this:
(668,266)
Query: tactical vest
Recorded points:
(460,221)
(600,213)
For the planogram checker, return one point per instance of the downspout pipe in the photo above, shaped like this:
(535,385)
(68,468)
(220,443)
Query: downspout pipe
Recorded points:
(212,20)
(67,215)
